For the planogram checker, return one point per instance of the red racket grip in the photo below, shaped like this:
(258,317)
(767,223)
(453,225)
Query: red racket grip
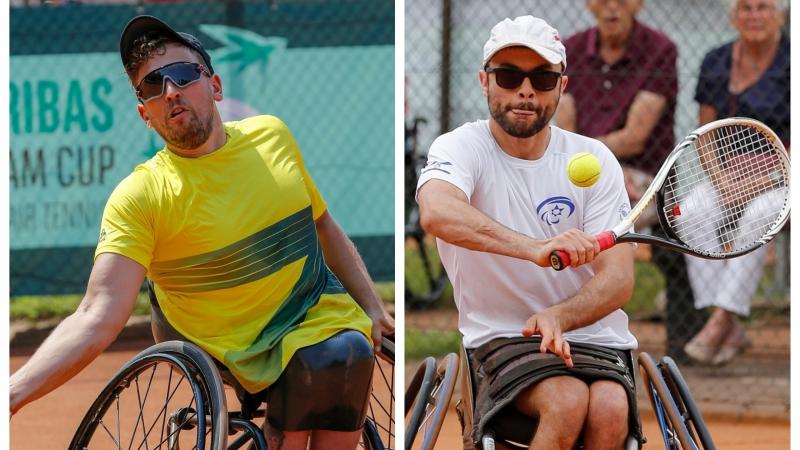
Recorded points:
(559,259)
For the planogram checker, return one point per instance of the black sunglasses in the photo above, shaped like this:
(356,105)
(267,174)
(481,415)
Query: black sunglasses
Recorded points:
(181,73)
(508,78)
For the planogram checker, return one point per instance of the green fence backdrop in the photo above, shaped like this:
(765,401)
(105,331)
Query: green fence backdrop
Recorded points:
(326,68)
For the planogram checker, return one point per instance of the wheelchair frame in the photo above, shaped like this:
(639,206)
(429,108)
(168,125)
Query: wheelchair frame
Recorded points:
(428,398)
(189,364)
(679,419)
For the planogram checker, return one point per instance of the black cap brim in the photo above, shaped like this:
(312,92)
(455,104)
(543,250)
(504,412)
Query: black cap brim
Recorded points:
(141,25)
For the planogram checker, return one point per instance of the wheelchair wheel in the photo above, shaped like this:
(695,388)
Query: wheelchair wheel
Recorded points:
(379,429)
(168,396)
(437,402)
(674,432)
(418,391)
(685,402)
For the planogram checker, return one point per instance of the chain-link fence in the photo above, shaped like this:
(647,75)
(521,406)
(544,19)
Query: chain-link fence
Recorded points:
(444,41)
(323,67)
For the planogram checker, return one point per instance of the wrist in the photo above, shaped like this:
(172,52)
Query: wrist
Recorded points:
(375,310)
(560,317)
(534,249)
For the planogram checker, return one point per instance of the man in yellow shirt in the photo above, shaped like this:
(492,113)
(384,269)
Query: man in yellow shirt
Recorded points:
(244,258)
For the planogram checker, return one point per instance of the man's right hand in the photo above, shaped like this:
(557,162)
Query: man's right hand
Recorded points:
(581,247)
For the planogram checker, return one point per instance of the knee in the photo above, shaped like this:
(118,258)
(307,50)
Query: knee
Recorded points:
(608,414)
(569,408)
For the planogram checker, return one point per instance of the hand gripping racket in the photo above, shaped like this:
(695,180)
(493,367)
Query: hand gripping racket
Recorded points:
(722,192)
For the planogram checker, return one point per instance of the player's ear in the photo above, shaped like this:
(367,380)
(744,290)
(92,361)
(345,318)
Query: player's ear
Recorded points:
(484,79)
(143,114)
(216,87)
(564,81)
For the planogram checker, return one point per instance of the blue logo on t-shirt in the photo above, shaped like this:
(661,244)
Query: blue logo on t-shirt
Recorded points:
(552,210)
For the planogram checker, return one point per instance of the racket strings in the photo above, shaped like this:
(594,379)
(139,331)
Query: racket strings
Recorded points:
(727,192)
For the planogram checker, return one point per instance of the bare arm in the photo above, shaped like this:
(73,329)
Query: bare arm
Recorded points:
(110,295)
(643,115)
(567,114)
(446,214)
(609,289)
(343,259)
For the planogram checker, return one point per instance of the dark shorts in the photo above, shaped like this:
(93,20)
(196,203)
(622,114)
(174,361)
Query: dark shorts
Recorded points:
(325,386)
(503,368)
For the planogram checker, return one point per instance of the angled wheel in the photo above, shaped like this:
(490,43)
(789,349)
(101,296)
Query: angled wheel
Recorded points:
(674,432)
(685,403)
(379,429)
(438,402)
(417,393)
(169,396)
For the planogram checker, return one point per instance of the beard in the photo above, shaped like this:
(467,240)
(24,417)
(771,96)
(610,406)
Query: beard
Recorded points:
(516,128)
(193,134)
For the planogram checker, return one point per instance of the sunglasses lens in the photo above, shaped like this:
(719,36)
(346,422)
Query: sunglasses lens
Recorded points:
(545,81)
(150,88)
(181,74)
(184,74)
(508,79)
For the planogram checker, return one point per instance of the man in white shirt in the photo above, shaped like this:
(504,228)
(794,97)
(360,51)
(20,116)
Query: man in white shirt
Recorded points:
(496,195)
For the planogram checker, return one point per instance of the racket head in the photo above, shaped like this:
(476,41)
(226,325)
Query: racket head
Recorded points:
(725,190)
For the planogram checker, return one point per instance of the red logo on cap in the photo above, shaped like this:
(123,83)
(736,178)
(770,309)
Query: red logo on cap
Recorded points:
(556,37)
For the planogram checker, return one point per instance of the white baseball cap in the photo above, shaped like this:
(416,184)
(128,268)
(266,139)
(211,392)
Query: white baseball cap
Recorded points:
(526,31)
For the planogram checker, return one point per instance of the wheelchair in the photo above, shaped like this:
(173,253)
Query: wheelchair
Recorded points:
(679,419)
(427,399)
(171,396)
(681,424)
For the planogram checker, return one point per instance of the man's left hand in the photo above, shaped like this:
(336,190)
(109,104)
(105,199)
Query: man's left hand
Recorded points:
(382,325)
(547,325)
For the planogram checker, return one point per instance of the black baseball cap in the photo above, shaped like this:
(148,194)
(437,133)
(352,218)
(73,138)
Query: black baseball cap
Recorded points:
(141,25)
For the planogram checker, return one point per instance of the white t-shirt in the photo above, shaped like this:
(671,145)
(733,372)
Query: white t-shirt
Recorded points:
(496,294)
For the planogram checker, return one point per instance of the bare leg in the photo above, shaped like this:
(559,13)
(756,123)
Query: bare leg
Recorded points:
(607,421)
(333,440)
(561,404)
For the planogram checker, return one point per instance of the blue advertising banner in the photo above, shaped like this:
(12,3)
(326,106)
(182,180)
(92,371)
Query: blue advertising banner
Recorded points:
(75,131)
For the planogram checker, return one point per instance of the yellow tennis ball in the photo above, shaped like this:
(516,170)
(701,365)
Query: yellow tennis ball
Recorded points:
(583,169)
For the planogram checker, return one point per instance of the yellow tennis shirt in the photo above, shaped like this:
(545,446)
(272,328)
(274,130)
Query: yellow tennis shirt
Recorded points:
(229,241)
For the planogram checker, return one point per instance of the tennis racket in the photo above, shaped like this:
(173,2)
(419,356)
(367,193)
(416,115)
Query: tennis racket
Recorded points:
(721,193)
